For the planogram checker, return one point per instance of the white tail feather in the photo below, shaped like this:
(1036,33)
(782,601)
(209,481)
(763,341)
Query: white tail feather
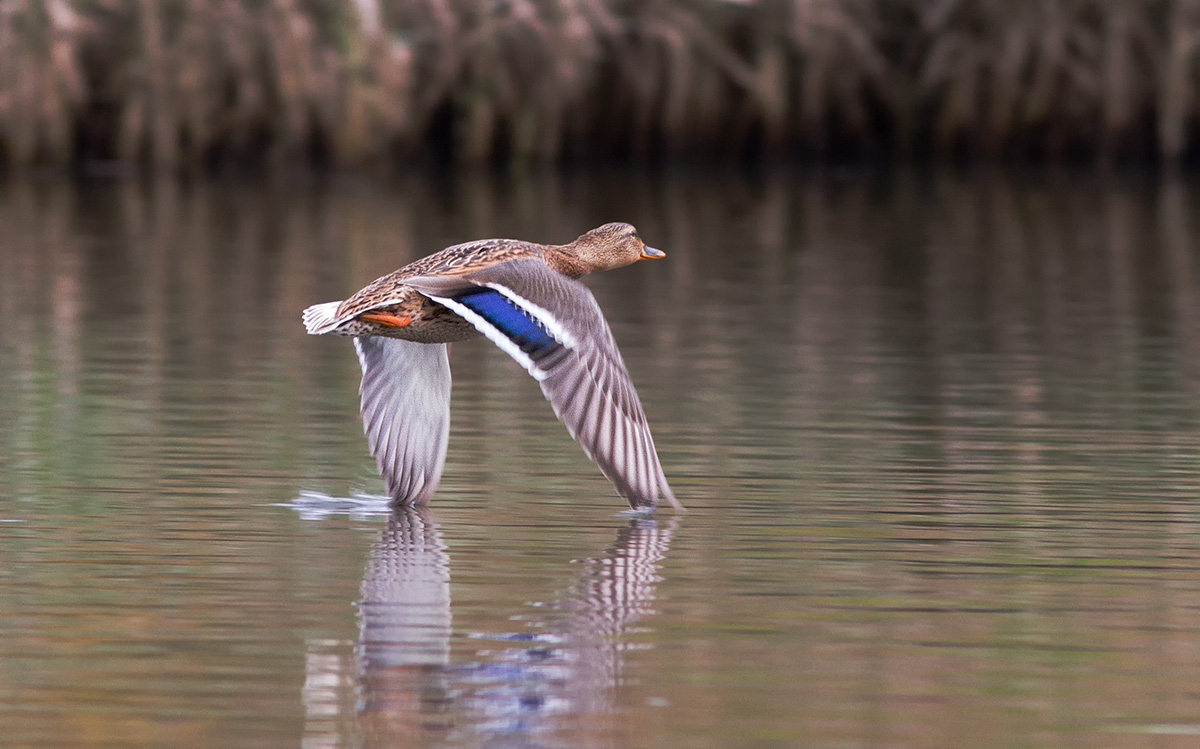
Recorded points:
(321,318)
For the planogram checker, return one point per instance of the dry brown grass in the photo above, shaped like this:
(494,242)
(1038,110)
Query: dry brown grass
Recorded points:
(362,83)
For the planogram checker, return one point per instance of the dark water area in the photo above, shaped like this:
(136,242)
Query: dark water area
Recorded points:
(938,436)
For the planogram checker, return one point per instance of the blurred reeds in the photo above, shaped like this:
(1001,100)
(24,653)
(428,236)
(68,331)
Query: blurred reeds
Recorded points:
(186,83)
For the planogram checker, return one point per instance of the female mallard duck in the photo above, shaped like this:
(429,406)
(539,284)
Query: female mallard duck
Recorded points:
(525,299)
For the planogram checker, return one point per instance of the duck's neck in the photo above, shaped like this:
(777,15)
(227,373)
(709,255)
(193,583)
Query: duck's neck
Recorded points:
(563,259)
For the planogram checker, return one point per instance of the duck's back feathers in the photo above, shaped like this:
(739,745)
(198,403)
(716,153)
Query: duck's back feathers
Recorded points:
(406,412)
(452,261)
(553,327)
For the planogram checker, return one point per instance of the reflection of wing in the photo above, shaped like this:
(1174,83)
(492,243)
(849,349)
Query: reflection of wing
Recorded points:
(406,412)
(616,590)
(567,665)
(570,664)
(553,327)
(405,608)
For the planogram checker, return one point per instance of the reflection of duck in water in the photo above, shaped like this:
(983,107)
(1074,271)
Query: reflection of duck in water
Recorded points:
(525,298)
(404,625)
(567,665)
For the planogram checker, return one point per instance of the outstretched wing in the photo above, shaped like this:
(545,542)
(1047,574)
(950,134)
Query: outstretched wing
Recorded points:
(406,413)
(553,327)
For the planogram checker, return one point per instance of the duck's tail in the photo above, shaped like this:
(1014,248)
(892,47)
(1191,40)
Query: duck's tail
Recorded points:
(321,318)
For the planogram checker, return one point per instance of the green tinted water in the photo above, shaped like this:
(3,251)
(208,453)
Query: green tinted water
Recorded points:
(939,439)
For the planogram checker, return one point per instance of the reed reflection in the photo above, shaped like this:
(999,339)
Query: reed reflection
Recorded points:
(566,665)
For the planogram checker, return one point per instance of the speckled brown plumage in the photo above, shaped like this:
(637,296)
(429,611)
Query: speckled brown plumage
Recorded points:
(525,298)
(607,246)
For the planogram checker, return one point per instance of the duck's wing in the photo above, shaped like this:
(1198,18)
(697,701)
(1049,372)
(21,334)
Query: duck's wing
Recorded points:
(553,327)
(406,413)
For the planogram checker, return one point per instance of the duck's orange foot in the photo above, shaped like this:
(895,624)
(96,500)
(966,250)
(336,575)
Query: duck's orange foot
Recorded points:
(385,318)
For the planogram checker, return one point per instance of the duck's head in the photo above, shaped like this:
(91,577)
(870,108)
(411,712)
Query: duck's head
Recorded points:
(611,246)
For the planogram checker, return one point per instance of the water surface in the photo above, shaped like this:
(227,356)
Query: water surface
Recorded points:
(938,436)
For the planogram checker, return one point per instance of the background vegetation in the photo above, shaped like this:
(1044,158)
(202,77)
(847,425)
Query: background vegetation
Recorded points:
(199,83)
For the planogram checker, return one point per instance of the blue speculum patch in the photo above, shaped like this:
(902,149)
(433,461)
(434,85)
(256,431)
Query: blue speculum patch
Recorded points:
(508,318)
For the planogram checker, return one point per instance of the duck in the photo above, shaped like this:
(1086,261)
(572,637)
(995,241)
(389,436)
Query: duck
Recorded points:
(527,299)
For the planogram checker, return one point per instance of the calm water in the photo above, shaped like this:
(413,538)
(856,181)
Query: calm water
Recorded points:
(939,436)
